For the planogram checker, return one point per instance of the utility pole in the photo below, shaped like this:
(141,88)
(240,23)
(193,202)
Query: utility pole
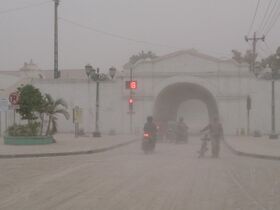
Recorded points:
(56,72)
(254,39)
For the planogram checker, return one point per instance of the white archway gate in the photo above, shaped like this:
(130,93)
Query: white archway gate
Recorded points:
(173,95)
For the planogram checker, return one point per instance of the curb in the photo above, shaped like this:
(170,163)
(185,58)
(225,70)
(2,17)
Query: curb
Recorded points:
(56,154)
(268,157)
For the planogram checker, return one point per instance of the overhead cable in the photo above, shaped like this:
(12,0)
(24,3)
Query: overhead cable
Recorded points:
(273,21)
(269,16)
(265,14)
(118,36)
(23,7)
(254,17)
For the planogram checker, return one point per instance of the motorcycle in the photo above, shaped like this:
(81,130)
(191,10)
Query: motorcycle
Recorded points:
(148,143)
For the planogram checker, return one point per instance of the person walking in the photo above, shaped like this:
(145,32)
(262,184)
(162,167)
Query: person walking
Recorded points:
(215,129)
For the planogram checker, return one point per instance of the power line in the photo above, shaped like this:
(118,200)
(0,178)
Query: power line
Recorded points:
(23,7)
(274,21)
(273,24)
(254,17)
(265,14)
(118,36)
(269,16)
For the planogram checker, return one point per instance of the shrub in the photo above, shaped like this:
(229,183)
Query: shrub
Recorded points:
(31,129)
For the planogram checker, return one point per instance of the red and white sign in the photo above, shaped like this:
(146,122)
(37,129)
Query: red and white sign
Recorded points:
(14,98)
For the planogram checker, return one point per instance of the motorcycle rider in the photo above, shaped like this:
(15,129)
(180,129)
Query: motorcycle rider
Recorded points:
(150,127)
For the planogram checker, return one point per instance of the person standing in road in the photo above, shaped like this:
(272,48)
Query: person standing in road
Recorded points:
(216,134)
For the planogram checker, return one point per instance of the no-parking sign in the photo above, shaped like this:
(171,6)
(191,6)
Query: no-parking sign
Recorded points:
(14,98)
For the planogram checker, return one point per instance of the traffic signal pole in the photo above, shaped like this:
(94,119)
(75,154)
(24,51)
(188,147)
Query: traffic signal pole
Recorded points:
(130,106)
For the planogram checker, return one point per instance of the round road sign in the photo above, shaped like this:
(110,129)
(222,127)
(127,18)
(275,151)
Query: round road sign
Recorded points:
(14,98)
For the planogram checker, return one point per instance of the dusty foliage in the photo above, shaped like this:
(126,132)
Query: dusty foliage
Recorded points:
(31,129)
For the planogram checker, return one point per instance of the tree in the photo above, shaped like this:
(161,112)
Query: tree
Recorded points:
(52,109)
(142,55)
(237,56)
(273,62)
(42,113)
(248,57)
(30,102)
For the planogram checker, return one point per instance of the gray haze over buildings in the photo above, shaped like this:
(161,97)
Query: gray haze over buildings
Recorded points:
(214,27)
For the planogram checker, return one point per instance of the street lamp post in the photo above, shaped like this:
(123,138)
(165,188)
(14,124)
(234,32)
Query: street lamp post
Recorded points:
(97,133)
(273,135)
(274,76)
(112,72)
(271,72)
(96,76)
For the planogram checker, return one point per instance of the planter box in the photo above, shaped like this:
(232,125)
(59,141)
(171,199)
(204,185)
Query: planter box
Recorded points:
(28,140)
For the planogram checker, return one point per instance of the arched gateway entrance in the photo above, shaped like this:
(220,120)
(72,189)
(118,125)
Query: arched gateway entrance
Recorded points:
(171,97)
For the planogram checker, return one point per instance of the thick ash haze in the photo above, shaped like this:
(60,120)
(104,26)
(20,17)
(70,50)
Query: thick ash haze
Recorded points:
(214,27)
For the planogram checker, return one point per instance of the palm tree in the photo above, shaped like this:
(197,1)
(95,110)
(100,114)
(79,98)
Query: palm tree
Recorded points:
(53,108)
(42,113)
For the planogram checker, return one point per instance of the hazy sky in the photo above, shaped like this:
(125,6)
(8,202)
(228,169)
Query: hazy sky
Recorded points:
(211,26)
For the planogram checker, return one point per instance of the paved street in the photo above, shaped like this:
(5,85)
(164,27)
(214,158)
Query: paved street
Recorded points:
(66,144)
(126,179)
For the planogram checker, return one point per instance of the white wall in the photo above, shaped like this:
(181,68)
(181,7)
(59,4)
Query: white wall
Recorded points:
(229,83)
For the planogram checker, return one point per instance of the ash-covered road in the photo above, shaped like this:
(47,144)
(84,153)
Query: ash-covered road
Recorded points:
(126,179)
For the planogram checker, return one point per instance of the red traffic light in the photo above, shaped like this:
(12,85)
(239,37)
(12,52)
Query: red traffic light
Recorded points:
(130,101)
(130,105)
